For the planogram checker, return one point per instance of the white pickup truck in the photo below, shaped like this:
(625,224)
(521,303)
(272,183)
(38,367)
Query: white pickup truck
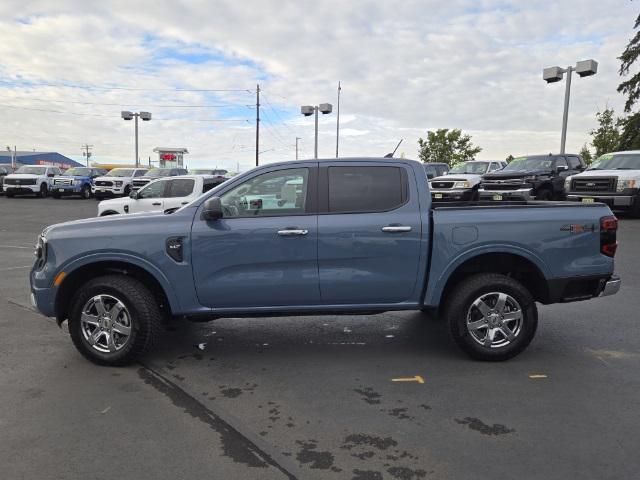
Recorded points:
(30,180)
(159,195)
(117,182)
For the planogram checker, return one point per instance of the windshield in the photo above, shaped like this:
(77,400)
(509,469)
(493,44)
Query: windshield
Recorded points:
(477,168)
(158,172)
(32,170)
(120,172)
(79,172)
(611,161)
(529,163)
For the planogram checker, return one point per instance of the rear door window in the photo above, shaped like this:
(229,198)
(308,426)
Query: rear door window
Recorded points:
(574,163)
(366,189)
(181,187)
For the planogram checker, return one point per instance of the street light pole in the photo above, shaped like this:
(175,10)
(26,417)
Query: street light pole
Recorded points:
(297,138)
(584,68)
(145,116)
(308,110)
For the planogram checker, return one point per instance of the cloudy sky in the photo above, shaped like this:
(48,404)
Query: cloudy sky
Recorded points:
(67,69)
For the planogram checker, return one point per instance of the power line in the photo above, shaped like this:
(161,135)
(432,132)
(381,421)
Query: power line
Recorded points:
(104,87)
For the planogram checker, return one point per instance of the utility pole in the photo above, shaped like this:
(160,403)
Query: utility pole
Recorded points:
(86,153)
(297,138)
(257,122)
(338,121)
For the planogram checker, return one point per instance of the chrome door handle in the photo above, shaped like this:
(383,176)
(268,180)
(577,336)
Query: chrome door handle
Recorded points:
(396,229)
(289,232)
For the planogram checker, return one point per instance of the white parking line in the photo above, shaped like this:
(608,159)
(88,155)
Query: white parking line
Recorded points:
(14,268)
(14,246)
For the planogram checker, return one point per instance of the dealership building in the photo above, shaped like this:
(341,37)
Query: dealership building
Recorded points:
(39,158)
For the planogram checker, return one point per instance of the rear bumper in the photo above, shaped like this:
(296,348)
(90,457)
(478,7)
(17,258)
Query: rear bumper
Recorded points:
(617,201)
(573,289)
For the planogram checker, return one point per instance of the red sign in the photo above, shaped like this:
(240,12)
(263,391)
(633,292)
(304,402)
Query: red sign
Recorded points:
(168,156)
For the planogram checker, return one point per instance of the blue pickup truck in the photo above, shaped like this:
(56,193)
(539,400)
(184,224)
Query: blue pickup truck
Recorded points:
(75,181)
(323,236)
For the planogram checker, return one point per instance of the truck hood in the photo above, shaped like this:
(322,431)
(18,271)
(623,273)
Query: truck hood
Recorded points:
(621,174)
(112,179)
(515,174)
(458,177)
(23,175)
(110,222)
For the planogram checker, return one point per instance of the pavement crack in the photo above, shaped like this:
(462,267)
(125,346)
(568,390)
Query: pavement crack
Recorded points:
(235,445)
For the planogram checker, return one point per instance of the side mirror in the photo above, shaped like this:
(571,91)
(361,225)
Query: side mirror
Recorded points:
(212,209)
(134,194)
(51,175)
(580,168)
(561,168)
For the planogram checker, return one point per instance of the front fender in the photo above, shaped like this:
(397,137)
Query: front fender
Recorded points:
(70,266)
(436,287)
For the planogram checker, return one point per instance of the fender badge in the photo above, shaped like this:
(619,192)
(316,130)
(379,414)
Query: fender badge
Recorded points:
(577,228)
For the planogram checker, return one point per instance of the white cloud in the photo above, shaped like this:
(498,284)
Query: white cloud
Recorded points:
(405,67)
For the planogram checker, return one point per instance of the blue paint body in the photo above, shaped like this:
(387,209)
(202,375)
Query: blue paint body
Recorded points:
(240,266)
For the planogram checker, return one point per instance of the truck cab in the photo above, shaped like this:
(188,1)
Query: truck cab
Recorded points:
(613,179)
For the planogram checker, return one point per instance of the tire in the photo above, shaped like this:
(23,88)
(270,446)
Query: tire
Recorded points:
(139,315)
(635,210)
(544,194)
(107,213)
(462,314)
(127,190)
(55,195)
(9,195)
(44,191)
(86,192)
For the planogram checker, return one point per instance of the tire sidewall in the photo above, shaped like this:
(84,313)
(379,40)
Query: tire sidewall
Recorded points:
(458,316)
(86,192)
(44,191)
(75,327)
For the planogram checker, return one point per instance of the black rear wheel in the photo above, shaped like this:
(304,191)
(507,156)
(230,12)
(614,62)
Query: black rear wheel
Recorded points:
(491,317)
(544,194)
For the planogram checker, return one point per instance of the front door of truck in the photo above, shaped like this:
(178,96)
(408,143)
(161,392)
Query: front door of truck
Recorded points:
(150,198)
(369,233)
(263,252)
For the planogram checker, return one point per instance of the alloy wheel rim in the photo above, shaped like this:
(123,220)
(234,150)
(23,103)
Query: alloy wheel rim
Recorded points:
(494,319)
(105,323)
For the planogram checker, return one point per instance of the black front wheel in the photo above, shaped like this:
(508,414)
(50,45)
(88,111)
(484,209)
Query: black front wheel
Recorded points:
(44,191)
(114,320)
(491,317)
(544,194)
(86,192)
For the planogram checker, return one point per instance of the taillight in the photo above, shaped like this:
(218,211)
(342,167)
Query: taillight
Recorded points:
(608,231)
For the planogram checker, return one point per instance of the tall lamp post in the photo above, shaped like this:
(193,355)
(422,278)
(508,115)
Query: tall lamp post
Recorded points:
(308,110)
(584,68)
(145,116)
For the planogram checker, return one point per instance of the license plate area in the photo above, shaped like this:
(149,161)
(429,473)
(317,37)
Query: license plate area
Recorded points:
(497,197)
(437,195)
(588,200)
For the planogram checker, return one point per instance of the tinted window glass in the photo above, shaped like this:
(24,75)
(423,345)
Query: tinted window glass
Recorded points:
(181,187)
(282,192)
(365,189)
(153,190)
(140,173)
(561,161)
(208,185)
(574,162)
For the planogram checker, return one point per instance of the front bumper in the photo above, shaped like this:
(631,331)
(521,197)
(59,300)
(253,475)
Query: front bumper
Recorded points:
(107,191)
(451,194)
(18,189)
(519,194)
(67,189)
(612,200)
(43,297)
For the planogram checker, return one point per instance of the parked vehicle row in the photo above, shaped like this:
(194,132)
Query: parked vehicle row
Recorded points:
(75,181)
(30,180)
(322,236)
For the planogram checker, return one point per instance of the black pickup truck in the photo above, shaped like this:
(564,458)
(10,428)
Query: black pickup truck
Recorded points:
(540,177)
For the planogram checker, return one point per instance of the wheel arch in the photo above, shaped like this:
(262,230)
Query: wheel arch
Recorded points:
(93,268)
(515,265)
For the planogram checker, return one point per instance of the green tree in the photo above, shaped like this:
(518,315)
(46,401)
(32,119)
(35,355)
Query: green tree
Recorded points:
(630,135)
(448,146)
(586,154)
(509,158)
(606,137)
(630,87)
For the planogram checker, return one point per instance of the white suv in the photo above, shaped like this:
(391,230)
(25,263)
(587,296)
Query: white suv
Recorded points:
(159,195)
(30,180)
(118,182)
(614,179)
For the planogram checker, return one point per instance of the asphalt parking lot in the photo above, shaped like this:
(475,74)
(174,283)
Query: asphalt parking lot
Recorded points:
(315,397)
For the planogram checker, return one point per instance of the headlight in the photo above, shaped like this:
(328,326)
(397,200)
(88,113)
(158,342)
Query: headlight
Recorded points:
(623,184)
(118,184)
(530,178)
(567,184)
(464,184)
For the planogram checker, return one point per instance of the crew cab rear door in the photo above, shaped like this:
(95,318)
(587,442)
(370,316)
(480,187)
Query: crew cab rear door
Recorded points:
(179,192)
(369,232)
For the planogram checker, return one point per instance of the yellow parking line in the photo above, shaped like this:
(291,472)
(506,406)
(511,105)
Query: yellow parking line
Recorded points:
(417,378)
